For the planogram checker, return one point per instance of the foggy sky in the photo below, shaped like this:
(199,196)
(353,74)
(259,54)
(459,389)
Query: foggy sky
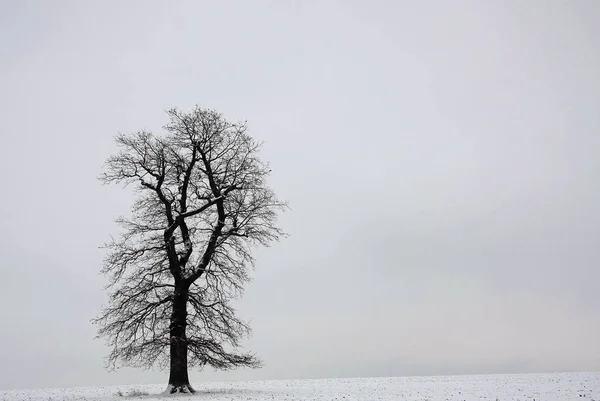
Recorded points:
(441,160)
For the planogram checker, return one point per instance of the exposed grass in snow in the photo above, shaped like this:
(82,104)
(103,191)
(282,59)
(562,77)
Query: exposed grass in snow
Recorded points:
(134,392)
(539,387)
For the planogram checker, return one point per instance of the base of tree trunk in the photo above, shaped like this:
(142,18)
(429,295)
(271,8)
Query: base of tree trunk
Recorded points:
(180,389)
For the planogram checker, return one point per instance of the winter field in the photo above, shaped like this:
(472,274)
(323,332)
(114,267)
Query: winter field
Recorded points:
(542,387)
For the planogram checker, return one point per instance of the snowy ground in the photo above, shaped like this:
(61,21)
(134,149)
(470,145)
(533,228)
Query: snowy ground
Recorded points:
(543,387)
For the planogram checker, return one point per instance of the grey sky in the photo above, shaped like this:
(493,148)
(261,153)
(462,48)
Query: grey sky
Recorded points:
(440,158)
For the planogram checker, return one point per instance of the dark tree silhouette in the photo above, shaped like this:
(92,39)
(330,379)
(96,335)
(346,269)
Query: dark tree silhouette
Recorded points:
(201,205)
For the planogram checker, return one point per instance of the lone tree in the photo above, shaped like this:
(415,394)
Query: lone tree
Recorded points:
(201,205)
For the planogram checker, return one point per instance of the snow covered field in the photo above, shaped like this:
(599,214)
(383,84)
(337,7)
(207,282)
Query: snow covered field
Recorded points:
(542,387)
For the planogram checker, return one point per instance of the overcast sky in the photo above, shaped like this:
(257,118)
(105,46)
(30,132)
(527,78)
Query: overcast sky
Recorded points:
(441,159)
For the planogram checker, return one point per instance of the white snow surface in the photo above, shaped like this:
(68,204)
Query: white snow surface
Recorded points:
(538,387)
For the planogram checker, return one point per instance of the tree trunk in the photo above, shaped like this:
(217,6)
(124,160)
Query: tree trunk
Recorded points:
(179,381)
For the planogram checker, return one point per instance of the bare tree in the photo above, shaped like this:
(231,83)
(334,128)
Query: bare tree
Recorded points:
(201,205)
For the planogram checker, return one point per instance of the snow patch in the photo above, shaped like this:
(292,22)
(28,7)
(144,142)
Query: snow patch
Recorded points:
(539,387)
